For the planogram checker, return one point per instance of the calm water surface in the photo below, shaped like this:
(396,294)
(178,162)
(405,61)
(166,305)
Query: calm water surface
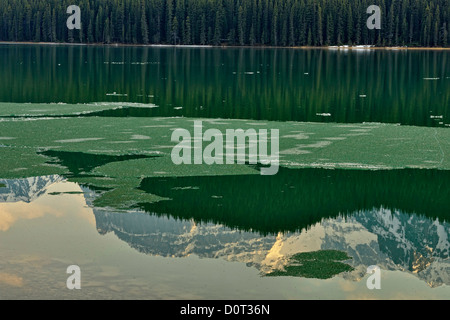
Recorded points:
(408,87)
(90,182)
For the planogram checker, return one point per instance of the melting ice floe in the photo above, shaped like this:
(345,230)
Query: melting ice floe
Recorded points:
(124,104)
(323,114)
(78,140)
(117,94)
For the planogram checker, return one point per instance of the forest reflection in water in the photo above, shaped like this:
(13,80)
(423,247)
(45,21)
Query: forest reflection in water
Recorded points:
(407,87)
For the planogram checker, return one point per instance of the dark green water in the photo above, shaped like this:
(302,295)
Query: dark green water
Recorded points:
(407,87)
(296,199)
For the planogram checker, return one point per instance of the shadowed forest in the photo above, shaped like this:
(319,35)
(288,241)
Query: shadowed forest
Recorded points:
(229,22)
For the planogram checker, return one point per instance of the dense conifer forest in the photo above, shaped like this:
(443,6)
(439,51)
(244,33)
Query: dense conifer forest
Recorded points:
(229,22)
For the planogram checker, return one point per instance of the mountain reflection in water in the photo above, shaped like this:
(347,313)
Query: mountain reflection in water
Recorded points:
(294,199)
(391,239)
(371,225)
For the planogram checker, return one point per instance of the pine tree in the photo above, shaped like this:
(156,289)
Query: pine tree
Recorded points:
(330,30)
(144,27)
(437,23)
(319,26)
(241,26)
(169,20)
(291,29)
(252,38)
(53,37)
(188,31)
(37,36)
(349,25)
(444,35)
(175,30)
(107,32)
(203,39)
(218,27)
(275,25)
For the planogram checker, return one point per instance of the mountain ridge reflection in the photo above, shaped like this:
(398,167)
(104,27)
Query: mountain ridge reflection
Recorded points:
(390,237)
(392,240)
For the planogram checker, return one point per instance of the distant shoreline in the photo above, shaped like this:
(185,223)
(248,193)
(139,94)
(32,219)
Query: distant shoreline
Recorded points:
(343,47)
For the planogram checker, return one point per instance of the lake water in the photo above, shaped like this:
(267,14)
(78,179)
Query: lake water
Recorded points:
(407,87)
(87,179)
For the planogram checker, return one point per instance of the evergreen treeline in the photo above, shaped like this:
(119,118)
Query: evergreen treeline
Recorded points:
(232,22)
